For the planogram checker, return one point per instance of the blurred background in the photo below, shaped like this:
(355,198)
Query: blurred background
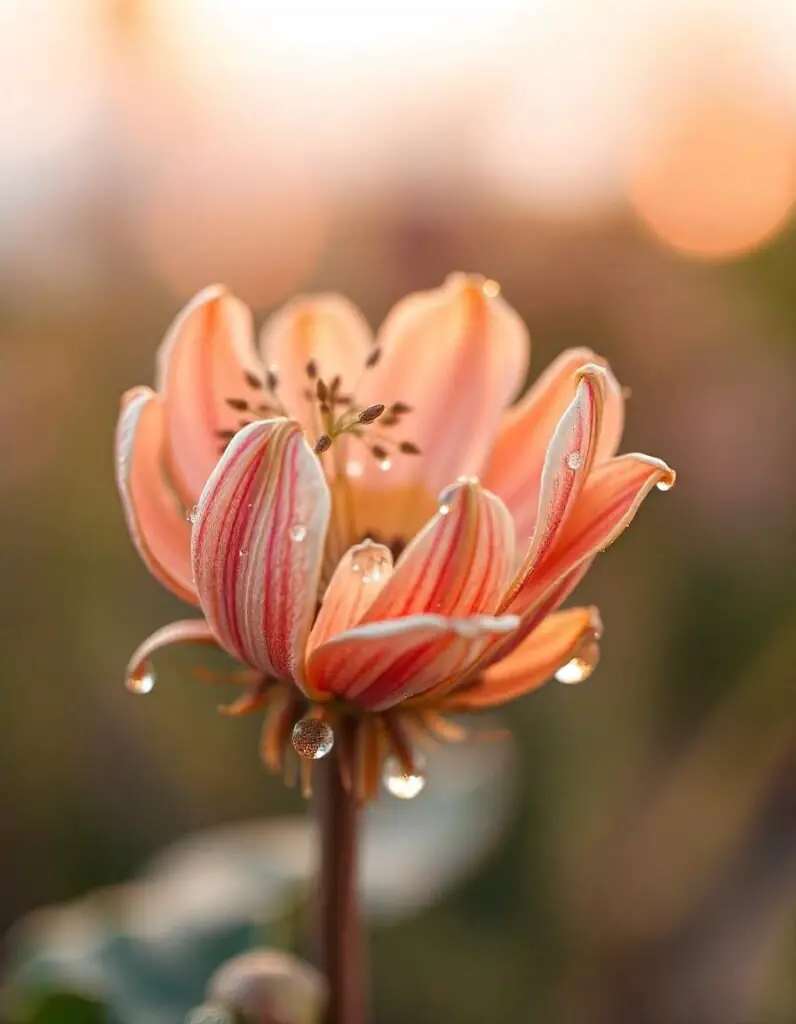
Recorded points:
(626,169)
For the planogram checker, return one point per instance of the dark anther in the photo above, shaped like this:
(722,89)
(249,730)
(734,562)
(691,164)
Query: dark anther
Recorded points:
(312,369)
(371,414)
(323,444)
(265,409)
(225,435)
(322,390)
(408,448)
(400,408)
(389,419)
(272,380)
(252,379)
(379,452)
(373,358)
(238,403)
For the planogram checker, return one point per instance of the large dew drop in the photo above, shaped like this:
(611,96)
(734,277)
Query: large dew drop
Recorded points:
(143,681)
(401,784)
(664,485)
(312,738)
(581,667)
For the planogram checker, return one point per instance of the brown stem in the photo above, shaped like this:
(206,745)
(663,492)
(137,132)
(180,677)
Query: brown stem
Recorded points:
(339,929)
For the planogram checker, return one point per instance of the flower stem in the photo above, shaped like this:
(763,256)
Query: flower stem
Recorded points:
(339,927)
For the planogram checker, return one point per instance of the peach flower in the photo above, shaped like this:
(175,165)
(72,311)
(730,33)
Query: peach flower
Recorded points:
(288,491)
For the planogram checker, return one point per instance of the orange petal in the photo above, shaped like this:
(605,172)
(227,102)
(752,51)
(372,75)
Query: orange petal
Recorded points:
(358,578)
(568,461)
(155,517)
(325,330)
(552,644)
(606,507)
(258,540)
(195,631)
(382,663)
(456,355)
(514,468)
(206,358)
(458,565)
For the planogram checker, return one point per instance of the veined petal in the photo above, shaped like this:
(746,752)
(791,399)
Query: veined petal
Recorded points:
(358,578)
(606,507)
(382,663)
(187,631)
(207,358)
(258,538)
(155,517)
(568,461)
(514,468)
(552,644)
(458,565)
(323,335)
(456,355)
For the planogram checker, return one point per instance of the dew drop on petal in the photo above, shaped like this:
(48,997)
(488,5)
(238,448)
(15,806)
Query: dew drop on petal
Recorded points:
(580,667)
(354,468)
(242,553)
(312,738)
(444,510)
(143,681)
(664,485)
(401,784)
(490,288)
(385,464)
(298,532)
(574,460)
(193,514)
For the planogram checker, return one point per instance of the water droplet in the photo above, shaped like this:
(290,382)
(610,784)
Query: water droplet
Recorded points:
(399,783)
(581,667)
(490,288)
(574,460)
(242,553)
(385,464)
(354,468)
(143,681)
(298,532)
(312,738)
(665,484)
(193,514)
(444,510)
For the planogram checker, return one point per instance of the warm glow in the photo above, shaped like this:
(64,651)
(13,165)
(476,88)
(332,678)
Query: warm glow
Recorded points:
(723,179)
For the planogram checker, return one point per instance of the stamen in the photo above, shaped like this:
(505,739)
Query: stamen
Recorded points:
(373,358)
(380,453)
(323,444)
(272,380)
(312,369)
(371,414)
(252,380)
(240,404)
(409,448)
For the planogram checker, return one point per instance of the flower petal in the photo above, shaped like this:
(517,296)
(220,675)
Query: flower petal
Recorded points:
(358,578)
(206,358)
(327,331)
(458,565)
(382,663)
(258,541)
(606,507)
(514,468)
(552,644)
(456,355)
(184,632)
(155,517)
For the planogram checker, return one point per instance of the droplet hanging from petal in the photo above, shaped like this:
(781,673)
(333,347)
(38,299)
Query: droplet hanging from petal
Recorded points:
(399,782)
(579,668)
(312,738)
(142,681)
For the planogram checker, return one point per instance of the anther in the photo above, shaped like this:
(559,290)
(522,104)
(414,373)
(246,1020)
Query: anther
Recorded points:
(380,453)
(312,369)
(252,379)
(322,390)
(226,435)
(272,380)
(409,448)
(373,358)
(323,444)
(238,403)
(371,414)
(400,408)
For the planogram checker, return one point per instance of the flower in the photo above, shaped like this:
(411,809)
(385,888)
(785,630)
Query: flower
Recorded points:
(290,494)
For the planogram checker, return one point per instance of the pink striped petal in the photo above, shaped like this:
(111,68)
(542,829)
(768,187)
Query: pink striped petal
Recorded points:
(456,355)
(514,468)
(609,501)
(258,541)
(552,644)
(204,361)
(187,631)
(155,518)
(358,578)
(568,461)
(383,663)
(326,331)
(458,565)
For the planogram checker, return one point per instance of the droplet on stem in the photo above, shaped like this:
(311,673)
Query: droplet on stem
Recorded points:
(143,681)
(312,738)
(400,783)
(579,668)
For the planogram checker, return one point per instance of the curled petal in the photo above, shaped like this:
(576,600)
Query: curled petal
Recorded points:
(382,663)
(606,507)
(458,565)
(552,644)
(155,517)
(187,631)
(567,463)
(321,336)
(514,468)
(258,540)
(207,358)
(358,578)
(456,355)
